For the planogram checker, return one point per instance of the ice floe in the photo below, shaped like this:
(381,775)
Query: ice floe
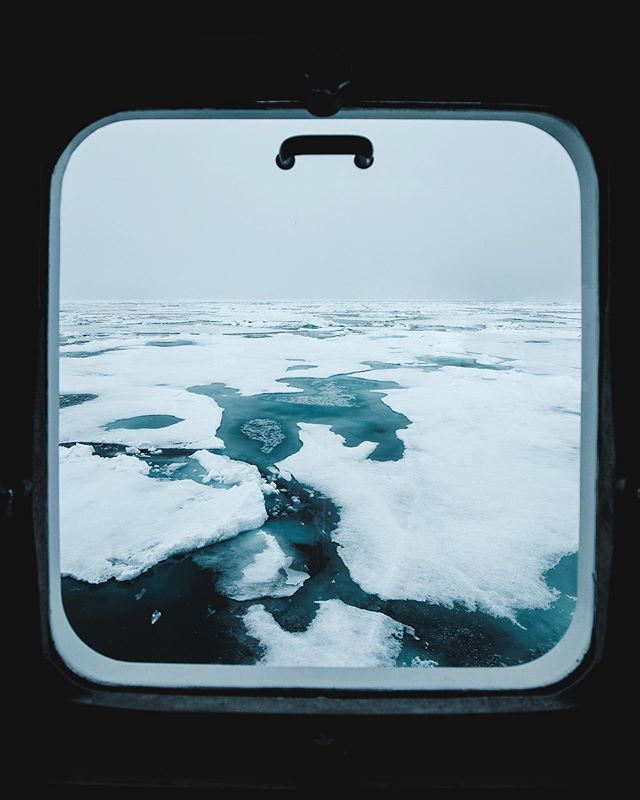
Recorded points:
(200,417)
(339,636)
(223,470)
(253,566)
(117,522)
(269,574)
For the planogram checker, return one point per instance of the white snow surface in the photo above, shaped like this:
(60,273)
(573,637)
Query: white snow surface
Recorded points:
(117,522)
(338,636)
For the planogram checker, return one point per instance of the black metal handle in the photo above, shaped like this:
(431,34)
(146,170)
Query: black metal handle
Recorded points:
(360,146)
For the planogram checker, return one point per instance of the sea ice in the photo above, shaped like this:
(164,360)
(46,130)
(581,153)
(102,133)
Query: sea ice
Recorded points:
(483,502)
(266,431)
(423,662)
(338,636)
(171,468)
(269,574)
(226,471)
(200,416)
(117,522)
(252,566)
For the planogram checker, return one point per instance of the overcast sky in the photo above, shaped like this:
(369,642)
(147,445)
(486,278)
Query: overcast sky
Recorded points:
(188,209)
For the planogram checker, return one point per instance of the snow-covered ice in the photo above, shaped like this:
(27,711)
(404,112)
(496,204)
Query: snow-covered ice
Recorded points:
(117,522)
(117,399)
(223,470)
(340,635)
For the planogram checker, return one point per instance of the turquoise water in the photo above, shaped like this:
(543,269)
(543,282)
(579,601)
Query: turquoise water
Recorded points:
(263,428)
(143,421)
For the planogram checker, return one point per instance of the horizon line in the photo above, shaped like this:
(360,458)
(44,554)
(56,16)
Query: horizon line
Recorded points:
(318,300)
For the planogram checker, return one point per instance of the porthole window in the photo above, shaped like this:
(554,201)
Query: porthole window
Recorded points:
(325,421)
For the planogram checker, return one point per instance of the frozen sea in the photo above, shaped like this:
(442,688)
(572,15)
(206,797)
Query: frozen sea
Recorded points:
(320,483)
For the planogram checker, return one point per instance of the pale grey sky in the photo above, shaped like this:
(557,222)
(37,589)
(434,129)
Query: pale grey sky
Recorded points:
(188,209)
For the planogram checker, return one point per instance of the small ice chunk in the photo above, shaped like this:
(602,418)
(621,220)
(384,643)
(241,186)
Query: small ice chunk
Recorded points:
(132,450)
(423,662)
(267,562)
(295,577)
(171,468)
(140,594)
(155,616)
(225,470)
(77,453)
(268,574)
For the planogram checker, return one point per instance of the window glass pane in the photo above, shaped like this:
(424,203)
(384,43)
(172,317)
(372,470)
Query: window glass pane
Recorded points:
(323,416)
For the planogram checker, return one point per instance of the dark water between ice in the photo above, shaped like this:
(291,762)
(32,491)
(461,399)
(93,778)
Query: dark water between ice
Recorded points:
(148,421)
(200,624)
